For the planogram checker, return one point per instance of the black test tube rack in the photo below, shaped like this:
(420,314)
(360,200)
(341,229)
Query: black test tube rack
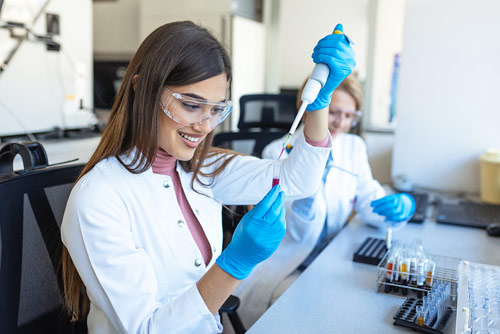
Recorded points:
(372,251)
(406,316)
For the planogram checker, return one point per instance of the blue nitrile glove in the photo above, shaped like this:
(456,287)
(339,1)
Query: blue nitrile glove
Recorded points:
(256,237)
(335,51)
(396,207)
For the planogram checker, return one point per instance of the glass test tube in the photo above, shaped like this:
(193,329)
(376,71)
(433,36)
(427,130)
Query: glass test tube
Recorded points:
(413,271)
(405,267)
(388,238)
(420,316)
(276,173)
(395,272)
(431,266)
(388,274)
(420,276)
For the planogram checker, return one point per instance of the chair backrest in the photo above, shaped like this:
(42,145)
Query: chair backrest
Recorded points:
(31,210)
(251,143)
(267,111)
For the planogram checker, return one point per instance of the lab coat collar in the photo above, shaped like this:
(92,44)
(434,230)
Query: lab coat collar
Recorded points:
(127,159)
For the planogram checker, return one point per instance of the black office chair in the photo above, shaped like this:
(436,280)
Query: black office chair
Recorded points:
(32,203)
(266,112)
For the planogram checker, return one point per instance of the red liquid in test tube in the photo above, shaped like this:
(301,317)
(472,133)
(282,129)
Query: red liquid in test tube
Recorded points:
(276,181)
(276,174)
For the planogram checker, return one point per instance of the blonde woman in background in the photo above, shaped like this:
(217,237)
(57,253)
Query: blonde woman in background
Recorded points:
(347,184)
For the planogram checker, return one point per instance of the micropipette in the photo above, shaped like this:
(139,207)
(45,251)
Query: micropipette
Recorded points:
(315,82)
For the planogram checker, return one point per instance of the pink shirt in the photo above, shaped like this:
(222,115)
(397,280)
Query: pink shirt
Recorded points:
(165,164)
(318,143)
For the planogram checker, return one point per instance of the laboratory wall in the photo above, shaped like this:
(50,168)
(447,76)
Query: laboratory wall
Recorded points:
(42,90)
(448,92)
(248,61)
(386,41)
(116,29)
(212,15)
(303,23)
(379,146)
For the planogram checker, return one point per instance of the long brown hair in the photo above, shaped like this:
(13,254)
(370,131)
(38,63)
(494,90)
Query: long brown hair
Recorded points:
(177,53)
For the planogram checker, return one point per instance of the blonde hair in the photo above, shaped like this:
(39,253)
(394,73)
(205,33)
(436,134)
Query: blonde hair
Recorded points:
(350,85)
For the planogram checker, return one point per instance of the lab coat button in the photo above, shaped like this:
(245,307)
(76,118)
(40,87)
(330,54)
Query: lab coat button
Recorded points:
(214,249)
(196,212)
(166,184)
(197,262)
(181,223)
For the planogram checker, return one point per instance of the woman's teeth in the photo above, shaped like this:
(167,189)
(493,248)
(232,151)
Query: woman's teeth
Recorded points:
(192,139)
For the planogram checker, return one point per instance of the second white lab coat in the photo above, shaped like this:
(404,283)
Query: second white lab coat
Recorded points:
(349,184)
(133,250)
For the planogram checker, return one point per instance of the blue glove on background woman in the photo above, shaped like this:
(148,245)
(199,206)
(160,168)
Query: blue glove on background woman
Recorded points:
(256,237)
(335,51)
(397,208)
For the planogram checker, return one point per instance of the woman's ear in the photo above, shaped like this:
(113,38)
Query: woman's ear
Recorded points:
(134,81)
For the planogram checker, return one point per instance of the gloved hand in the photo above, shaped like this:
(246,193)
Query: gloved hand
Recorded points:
(397,208)
(335,51)
(256,237)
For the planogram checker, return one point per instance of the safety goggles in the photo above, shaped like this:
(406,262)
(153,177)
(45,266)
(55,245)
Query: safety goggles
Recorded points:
(190,111)
(340,114)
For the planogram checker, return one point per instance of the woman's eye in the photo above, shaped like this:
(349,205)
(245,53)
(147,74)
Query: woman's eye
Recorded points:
(348,116)
(217,110)
(190,106)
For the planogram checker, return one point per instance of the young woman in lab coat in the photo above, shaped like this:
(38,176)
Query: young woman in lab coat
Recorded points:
(347,184)
(142,228)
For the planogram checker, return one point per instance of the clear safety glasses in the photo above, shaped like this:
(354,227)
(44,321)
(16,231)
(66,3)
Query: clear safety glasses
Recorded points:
(341,114)
(190,111)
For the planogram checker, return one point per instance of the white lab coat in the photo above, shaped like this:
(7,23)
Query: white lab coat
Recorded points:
(340,192)
(128,240)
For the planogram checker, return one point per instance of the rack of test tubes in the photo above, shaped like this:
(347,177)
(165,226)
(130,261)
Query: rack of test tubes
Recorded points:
(478,308)
(429,314)
(408,271)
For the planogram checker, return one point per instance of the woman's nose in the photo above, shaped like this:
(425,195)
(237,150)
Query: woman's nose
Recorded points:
(337,121)
(204,126)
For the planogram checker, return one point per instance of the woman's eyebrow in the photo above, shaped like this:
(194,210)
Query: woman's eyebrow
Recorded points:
(196,96)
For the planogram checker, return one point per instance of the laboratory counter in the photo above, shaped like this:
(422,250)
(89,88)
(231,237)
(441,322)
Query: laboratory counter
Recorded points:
(336,295)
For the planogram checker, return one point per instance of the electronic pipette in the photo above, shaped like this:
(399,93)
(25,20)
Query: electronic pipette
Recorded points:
(315,82)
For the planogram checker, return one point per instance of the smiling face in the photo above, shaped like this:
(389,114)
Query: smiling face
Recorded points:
(181,141)
(338,120)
